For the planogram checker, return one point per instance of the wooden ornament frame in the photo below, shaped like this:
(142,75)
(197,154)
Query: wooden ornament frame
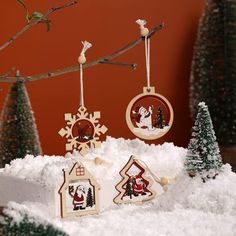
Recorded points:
(148,92)
(71,176)
(93,119)
(119,187)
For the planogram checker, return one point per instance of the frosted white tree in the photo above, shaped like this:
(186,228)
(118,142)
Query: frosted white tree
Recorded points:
(203,154)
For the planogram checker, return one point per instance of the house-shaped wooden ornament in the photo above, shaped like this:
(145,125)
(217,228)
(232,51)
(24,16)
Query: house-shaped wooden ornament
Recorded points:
(79,193)
(135,187)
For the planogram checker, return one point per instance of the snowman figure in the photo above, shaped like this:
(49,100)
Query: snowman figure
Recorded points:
(78,197)
(143,117)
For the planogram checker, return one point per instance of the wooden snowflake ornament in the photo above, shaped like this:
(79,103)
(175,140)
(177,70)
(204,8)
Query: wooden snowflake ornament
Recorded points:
(135,187)
(82,130)
(79,192)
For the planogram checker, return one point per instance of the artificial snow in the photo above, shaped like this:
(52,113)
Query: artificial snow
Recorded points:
(164,160)
(188,207)
(152,134)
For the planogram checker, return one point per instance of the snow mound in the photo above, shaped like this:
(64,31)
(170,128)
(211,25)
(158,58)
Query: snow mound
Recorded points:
(130,220)
(45,170)
(216,195)
(164,160)
(188,207)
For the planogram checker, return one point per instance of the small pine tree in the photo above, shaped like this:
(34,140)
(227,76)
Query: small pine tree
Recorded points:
(8,227)
(129,189)
(203,150)
(160,120)
(18,132)
(89,199)
(193,163)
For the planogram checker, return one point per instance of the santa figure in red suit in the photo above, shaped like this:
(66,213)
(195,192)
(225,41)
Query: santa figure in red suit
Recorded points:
(139,186)
(143,117)
(78,197)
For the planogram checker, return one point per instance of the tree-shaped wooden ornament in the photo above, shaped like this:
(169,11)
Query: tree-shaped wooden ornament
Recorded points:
(79,192)
(135,187)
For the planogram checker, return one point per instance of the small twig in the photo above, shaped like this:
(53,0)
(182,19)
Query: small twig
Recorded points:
(9,120)
(133,65)
(8,72)
(6,75)
(35,22)
(103,60)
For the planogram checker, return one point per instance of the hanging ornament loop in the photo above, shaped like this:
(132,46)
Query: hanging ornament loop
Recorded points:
(82,60)
(144,32)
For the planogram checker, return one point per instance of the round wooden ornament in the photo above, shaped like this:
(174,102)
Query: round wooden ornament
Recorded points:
(149,115)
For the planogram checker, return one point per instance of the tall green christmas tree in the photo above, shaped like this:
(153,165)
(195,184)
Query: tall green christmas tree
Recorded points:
(193,163)
(213,75)
(18,132)
(203,155)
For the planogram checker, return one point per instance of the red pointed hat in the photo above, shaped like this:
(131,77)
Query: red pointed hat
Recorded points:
(138,177)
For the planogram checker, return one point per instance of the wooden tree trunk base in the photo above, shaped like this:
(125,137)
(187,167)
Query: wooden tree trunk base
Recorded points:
(229,156)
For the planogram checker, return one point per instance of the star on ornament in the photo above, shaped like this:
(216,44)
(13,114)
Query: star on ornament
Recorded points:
(82,130)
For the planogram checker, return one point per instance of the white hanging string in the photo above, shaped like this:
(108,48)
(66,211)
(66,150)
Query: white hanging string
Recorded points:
(162,181)
(144,32)
(141,23)
(157,179)
(86,46)
(81,86)
(82,60)
(147,56)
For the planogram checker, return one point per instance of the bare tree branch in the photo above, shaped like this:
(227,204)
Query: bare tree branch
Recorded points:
(116,63)
(103,60)
(7,73)
(35,22)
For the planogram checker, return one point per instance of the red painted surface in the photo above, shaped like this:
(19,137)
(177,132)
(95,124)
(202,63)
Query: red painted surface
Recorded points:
(108,25)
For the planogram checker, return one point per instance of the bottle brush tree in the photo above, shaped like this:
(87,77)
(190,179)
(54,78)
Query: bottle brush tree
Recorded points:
(213,75)
(18,131)
(27,226)
(193,163)
(203,154)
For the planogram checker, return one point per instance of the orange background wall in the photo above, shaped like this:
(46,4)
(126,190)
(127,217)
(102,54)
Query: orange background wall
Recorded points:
(108,25)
